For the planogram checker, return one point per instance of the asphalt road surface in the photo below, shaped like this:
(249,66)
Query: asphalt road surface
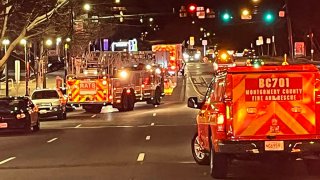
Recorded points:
(149,143)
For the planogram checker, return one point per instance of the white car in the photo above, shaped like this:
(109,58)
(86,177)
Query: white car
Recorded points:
(50,102)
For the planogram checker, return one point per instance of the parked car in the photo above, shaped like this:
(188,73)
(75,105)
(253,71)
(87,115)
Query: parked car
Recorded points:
(18,113)
(50,102)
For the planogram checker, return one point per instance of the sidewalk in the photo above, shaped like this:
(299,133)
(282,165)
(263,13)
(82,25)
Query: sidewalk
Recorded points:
(19,89)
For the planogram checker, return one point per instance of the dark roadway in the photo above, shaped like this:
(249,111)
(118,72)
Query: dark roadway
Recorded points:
(149,143)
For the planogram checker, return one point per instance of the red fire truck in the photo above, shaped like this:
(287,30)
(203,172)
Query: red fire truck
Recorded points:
(115,78)
(258,112)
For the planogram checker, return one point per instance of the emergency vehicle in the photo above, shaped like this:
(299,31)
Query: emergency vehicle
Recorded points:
(174,63)
(115,78)
(256,111)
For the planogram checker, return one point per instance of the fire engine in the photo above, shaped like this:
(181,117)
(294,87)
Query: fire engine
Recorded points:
(115,78)
(173,61)
(256,111)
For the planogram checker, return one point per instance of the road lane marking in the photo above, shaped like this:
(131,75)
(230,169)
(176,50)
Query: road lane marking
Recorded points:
(141,157)
(78,126)
(154,114)
(51,140)
(148,138)
(152,124)
(93,116)
(7,160)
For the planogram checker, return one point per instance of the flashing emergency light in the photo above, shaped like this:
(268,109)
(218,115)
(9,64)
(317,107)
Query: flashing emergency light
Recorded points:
(224,56)
(123,74)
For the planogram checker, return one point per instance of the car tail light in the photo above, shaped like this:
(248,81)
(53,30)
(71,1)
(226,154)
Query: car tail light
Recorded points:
(21,116)
(221,123)
(128,91)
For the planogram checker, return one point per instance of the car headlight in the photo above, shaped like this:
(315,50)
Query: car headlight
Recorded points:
(197,56)
(21,116)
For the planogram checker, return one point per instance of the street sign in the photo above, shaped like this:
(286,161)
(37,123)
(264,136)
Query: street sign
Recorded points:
(192,41)
(210,13)
(299,49)
(201,14)
(204,42)
(268,41)
(17,70)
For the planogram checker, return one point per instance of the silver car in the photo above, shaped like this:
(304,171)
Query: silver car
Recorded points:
(50,102)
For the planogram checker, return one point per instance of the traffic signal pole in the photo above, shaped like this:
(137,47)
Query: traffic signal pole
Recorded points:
(290,36)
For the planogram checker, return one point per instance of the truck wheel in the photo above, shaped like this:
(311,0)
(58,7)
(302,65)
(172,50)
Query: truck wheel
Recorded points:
(198,153)
(124,106)
(157,97)
(218,164)
(131,100)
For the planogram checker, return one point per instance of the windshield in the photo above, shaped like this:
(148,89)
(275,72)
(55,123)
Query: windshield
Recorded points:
(45,95)
(12,105)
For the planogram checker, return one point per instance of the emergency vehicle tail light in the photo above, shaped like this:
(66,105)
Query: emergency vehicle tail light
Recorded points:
(142,86)
(128,91)
(221,123)
(104,77)
(85,72)
(173,67)
(104,82)
(110,97)
(118,101)
(104,92)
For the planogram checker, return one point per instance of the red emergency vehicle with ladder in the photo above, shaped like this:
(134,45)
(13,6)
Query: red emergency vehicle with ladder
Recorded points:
(119,79)
(258,112)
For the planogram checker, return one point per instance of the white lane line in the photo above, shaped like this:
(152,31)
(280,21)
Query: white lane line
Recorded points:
(148,138)
(7,160)
(141,157)
(78,126)
(152,124)
(51,140)
(93,116)
(154,114)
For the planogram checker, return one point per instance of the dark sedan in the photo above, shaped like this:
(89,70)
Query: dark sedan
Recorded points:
(18,113)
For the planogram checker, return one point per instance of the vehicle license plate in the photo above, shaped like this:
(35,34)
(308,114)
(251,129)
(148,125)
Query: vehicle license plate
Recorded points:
(3,125)
(274,146)
(43,111)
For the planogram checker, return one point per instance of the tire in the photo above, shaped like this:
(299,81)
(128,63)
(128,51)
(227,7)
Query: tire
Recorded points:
(218,164)
(28,128)
(124,106)
(157,97)
(36,127)
(131,100)
(201,157)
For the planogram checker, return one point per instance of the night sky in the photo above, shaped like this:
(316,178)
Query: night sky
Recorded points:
(237,34)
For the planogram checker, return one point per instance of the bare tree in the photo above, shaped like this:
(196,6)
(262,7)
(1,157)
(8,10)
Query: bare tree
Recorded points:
(26,19)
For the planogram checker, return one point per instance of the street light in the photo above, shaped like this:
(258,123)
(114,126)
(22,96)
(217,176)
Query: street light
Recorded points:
(49,42)
(87,7)
(6,42)
(151,19)
(58,40)
(24,43)
(117,1)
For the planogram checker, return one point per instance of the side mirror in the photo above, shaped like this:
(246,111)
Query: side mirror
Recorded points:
(193,103)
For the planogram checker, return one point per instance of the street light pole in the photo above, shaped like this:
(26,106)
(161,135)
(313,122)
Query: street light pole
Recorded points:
(24,43)
(6,42)
(290,35)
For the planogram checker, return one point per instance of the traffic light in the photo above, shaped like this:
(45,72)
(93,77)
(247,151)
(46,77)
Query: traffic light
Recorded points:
(192,8)
(269,17)
(226,17)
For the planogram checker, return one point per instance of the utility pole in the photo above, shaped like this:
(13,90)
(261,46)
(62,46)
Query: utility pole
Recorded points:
(290,34)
